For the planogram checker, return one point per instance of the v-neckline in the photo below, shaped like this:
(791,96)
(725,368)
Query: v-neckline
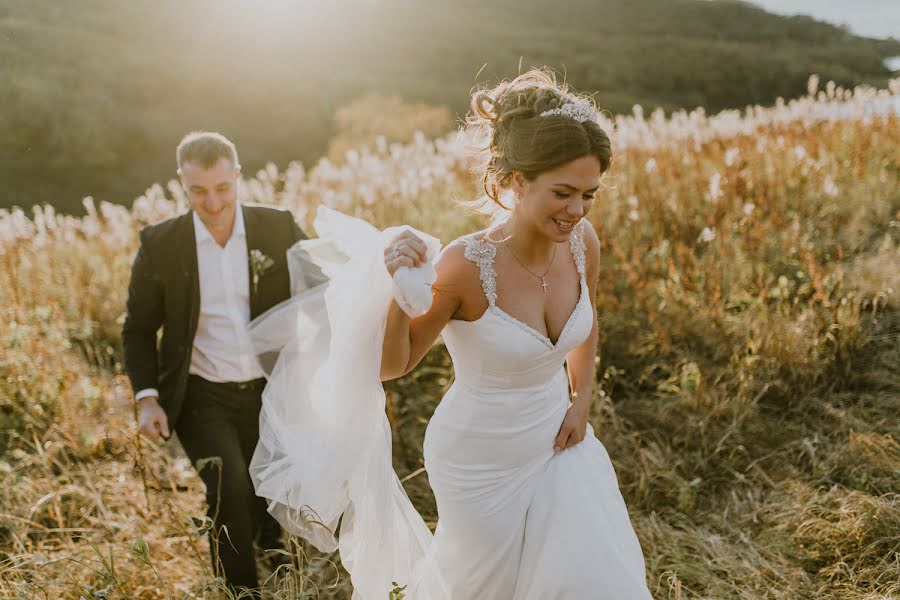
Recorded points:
(482,253)
(582,293)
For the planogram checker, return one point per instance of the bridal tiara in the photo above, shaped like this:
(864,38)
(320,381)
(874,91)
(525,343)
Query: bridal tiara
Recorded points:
(580,110)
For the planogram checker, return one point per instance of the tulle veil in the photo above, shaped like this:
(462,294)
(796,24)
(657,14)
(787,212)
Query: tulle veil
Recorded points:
(323,461)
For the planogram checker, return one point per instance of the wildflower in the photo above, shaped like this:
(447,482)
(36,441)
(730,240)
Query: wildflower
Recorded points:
(812,84)
(662,249)
(715,187)
(381,145)
(731,156)
(707,235)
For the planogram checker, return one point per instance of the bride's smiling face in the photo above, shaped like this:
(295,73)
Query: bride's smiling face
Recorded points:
(212,192)
(554,201)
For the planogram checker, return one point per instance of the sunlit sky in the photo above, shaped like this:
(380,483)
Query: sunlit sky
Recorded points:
(872,18)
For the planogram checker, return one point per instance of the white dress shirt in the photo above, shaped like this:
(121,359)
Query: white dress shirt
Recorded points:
(222,350)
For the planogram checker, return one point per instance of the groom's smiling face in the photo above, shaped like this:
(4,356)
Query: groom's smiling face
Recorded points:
(212,192)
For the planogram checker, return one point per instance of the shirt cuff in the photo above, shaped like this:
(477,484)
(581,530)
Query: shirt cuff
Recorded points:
(146,393)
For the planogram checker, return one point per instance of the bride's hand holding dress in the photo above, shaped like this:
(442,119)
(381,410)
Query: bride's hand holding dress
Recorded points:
(574,426)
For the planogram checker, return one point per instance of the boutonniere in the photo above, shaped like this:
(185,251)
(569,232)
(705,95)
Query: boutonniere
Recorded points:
(259,264)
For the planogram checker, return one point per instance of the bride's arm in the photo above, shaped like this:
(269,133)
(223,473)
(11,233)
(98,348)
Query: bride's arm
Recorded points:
(581,360)
(407,340)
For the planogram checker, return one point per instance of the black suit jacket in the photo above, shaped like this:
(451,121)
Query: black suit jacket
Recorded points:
(164,291)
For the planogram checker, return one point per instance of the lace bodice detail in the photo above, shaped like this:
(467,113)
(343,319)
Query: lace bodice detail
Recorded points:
(482,253)
(576,242)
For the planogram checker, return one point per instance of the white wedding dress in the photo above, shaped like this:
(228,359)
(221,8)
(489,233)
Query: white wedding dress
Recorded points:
(515,521)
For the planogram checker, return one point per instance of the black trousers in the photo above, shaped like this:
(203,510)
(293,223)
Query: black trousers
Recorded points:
(222,420)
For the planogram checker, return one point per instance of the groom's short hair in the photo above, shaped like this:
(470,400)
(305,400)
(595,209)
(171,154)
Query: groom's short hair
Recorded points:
(205,149)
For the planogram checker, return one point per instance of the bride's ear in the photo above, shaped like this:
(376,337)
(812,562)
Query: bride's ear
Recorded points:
(517,185)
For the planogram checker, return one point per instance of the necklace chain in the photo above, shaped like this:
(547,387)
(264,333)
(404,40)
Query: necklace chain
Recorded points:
(544,284)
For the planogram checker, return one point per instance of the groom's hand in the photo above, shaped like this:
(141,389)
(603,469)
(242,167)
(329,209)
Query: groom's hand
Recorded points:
(152,420)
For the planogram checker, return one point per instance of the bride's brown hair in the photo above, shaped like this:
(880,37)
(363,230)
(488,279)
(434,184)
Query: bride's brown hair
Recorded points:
(517,138)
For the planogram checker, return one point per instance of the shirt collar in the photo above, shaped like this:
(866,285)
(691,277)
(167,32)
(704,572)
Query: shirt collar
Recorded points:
(202,234)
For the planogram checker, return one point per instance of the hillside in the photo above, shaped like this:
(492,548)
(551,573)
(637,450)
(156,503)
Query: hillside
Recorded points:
(95,94)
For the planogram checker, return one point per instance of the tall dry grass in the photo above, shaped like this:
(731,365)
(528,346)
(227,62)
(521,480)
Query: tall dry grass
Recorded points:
(749,361)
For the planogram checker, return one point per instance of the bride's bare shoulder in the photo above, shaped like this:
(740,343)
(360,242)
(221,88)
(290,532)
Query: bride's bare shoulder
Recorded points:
(458,269)
(455,259)
(591,250)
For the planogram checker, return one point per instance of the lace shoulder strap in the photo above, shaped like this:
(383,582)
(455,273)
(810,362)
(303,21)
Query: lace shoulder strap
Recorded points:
(576,243)
(482,254)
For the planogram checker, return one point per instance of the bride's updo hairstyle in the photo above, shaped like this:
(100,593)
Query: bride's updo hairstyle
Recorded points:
(517,138)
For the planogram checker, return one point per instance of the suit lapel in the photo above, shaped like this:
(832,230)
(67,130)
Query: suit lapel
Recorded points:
(251,232)
(190,270)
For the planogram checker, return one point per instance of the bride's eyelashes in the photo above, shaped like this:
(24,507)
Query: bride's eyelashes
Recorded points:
(564,195)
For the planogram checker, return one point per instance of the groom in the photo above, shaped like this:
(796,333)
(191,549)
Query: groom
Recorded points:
(202,277)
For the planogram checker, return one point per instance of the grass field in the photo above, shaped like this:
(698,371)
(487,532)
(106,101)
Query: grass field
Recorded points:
(749,361)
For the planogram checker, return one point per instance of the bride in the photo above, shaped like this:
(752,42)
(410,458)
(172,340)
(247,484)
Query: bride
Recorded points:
(528,503)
